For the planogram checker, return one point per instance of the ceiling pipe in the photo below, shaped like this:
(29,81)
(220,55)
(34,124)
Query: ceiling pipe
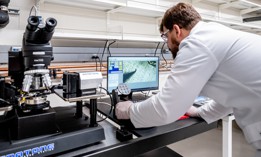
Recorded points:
(252,19)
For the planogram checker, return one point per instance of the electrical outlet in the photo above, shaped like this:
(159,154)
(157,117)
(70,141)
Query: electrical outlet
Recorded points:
(95,56)
(165,51)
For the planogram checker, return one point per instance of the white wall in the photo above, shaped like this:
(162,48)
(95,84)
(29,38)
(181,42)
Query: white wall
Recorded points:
(82,23)
(76,21)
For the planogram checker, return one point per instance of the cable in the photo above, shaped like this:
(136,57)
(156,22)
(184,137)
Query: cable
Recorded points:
(96,64)
(4,101)
(156,48)
(109,96)
(108,48)
(111,104)
(99,62)
(35,10)
(103,54)
(163,55)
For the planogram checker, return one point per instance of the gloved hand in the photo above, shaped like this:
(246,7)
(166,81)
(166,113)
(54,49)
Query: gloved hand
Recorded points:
(193,112)
(123,109)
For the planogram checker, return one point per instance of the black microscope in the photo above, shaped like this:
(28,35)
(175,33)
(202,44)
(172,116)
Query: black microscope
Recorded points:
(30,82)
(31,125)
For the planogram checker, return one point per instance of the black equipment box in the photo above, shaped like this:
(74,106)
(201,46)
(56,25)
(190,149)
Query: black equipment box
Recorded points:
(34,124)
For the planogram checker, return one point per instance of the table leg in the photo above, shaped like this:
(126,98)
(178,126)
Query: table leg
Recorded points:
(227,136)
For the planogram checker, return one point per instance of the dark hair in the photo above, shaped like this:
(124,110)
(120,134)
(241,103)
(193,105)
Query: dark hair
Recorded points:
(182,14)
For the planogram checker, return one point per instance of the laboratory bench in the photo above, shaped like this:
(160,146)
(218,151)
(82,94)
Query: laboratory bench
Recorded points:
(146,141)
(100,139)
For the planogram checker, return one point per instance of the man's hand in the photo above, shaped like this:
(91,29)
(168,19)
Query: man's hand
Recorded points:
(123,110)
(193,112)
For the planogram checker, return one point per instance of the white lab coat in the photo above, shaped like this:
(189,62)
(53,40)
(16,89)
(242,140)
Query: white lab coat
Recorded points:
(215,61)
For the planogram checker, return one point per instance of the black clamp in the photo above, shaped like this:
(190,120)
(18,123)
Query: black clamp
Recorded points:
(123,134)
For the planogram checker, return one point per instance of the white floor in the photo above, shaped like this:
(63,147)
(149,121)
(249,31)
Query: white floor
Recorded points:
(209,144)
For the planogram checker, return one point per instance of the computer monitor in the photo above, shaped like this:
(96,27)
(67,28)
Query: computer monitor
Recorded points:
(140,73)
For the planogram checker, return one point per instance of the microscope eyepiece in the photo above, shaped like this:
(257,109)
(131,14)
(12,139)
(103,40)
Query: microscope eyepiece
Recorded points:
(4,2)
(33,22)
(48,30)
(32,32)
(50,24)
(4,17)
(37,33)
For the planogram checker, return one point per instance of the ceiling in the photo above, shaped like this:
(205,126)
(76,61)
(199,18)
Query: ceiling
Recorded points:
(249,13)
(237,14)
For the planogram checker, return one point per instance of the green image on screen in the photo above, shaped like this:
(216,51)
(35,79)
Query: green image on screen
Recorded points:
(139,71)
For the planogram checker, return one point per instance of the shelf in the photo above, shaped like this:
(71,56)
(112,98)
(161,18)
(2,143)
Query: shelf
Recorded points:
(125,37)
(151,38)
(61,35)
(112,6)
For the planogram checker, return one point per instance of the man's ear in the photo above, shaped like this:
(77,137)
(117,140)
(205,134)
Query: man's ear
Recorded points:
(177,30)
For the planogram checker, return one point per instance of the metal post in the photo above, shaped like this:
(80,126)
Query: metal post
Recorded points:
(78,113)
(93,112)
(227,136)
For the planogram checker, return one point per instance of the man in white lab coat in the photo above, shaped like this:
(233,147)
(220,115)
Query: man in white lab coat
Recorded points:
(211,60)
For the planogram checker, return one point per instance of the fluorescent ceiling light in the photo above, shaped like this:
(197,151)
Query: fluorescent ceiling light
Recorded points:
(117,2)
(234,23)
(252,3)
(146,6)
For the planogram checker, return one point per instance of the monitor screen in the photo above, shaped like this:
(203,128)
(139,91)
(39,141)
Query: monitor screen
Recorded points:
(140,73)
